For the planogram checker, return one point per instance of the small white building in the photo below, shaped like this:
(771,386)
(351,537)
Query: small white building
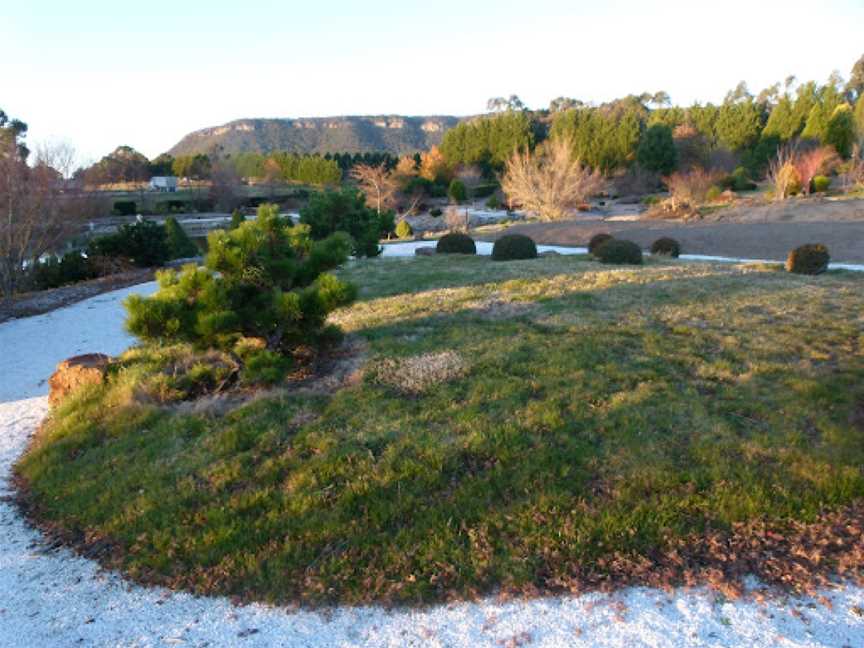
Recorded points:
(163,183)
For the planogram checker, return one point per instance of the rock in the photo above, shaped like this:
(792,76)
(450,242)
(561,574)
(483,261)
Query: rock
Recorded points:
(549,253)
(425,251)
(87,369)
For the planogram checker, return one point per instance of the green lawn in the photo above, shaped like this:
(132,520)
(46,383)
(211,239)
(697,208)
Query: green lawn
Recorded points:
(529,426)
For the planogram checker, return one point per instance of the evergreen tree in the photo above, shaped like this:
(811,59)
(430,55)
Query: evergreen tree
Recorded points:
(840,131)
(657,150)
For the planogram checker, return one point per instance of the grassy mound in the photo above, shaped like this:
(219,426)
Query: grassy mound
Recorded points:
(549,427)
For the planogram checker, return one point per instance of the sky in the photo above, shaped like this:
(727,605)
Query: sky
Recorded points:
(98,74)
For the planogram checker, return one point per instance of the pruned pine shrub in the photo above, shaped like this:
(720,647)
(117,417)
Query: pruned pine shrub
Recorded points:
(435,212)
(144,243)
(265,280)
(810,259)
(619,251)
(493,203)
(71,268)
(597,240)
(456,243)
(180,246)
(666,247)
(512,247)
(237,219)
(403,229)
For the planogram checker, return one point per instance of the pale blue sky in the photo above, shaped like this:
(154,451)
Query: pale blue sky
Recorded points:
(99,74)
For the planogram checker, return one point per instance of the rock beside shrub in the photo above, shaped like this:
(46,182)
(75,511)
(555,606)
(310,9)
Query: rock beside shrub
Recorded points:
(512,247)
(619,251)
(87,369)
(597,240)
(456,243)
(666,247)
(809,259)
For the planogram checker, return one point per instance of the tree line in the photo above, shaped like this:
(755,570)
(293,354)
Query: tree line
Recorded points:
(746,129)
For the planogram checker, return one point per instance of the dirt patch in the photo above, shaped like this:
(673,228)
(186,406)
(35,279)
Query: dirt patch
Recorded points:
(43,301)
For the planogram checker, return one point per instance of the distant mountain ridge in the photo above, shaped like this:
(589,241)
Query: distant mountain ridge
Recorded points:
(395,134)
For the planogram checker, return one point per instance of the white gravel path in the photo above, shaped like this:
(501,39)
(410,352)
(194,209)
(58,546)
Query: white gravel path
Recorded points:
(53,598)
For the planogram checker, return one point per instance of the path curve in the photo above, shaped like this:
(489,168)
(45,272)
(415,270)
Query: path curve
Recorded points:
(50,597)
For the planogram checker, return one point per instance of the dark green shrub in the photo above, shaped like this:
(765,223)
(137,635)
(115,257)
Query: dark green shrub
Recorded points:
(125,207)
(456,243)
(738,180)
(493,202)
(597,240)
(619,251)
(511,247)
(437,190)
(237,219)
(821,184)
(809,259)
(435,211)
(456,191)
(346,211)
(144,243)
(265,280)
(666,246)
(180,246)
(403,229)
(484,190)
(55,271)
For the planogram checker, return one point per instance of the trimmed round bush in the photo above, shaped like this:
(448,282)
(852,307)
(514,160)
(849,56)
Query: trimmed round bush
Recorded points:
(456,243)
(809,259)
(435,211)
(597,240)
(619,251)
(514,246)
(666,247)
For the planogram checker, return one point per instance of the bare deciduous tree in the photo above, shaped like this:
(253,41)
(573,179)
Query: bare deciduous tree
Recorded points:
(377,183)
(456,219)
(39,213)
(224,186)
(550,182)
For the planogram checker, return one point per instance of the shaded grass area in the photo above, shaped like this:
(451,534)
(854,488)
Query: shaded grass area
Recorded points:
(605,425)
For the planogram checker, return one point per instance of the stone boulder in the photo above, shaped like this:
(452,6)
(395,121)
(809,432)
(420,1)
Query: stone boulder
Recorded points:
(425,251)
(87,369)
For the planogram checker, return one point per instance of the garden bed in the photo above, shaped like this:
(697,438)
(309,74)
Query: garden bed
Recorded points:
(521,427)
